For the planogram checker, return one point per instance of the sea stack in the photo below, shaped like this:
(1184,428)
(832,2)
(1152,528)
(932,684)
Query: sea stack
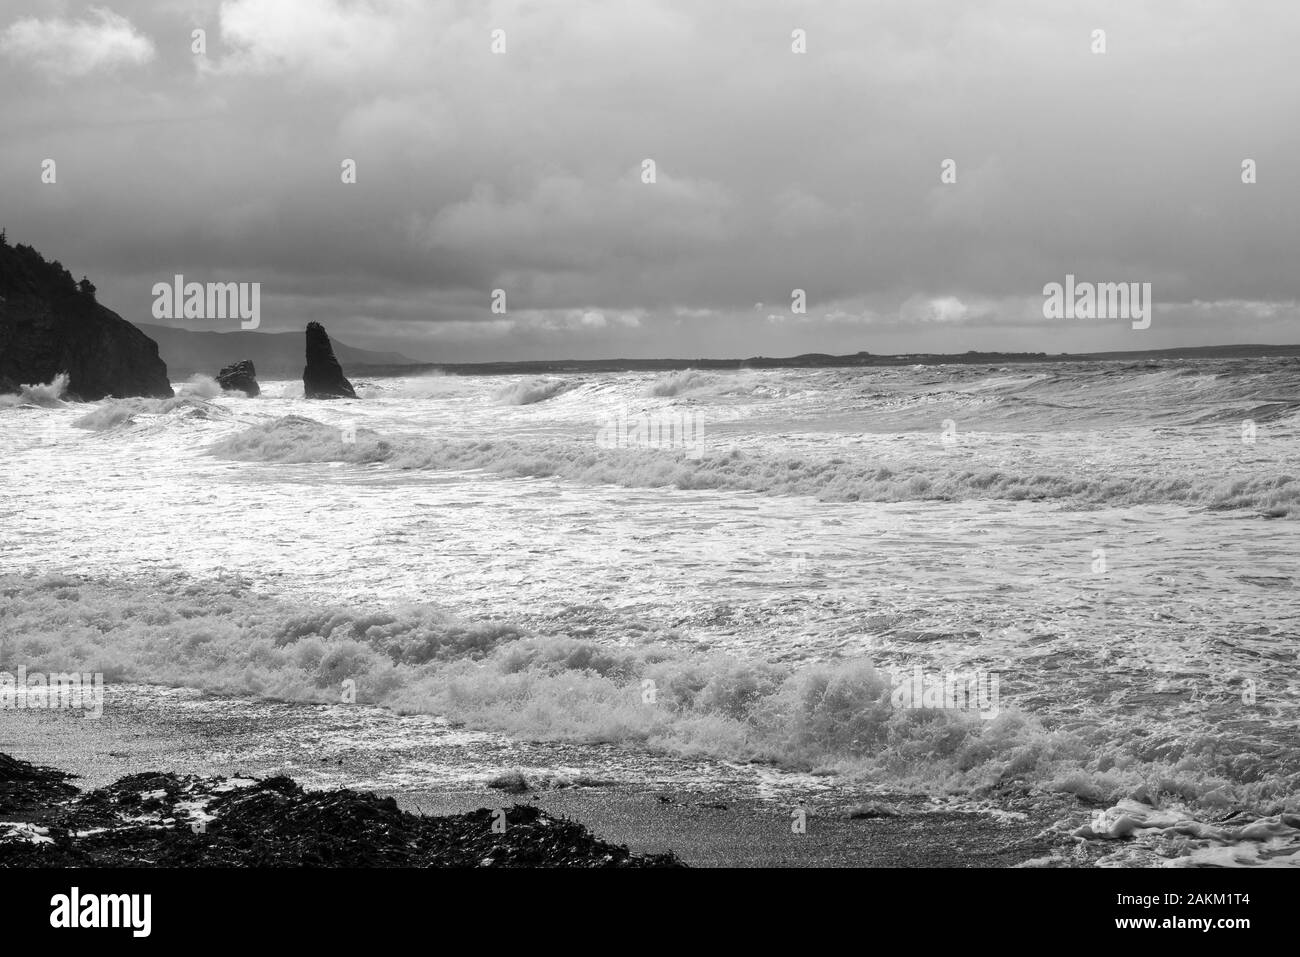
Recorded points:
(240,377)
(50,324)
(323,376)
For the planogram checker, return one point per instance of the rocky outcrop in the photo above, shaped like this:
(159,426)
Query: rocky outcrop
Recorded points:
(168,820)
(51,324)
(323,376)
(240,377)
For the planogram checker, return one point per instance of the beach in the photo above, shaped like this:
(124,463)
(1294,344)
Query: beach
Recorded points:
(702,826)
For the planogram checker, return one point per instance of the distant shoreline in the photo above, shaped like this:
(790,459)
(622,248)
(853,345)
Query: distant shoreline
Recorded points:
(279,355)
(816,361)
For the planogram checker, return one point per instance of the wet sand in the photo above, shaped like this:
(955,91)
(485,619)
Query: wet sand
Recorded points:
(707,828)
(707,832)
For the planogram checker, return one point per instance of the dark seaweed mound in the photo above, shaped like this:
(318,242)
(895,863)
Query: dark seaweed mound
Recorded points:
(165,820)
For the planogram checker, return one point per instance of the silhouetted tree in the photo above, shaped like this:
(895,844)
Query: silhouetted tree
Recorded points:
(63,277)
(4,240)
(86,287)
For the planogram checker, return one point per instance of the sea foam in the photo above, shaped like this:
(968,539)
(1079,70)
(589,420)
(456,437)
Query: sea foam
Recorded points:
(828,477)
(224,636)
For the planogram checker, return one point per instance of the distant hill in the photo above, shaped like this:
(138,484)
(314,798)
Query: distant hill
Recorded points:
(819,360)
(52,324)
(277,355)
(1205,352)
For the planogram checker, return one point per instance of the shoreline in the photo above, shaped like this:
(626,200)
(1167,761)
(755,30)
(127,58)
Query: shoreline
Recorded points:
(703,830)
(702,825)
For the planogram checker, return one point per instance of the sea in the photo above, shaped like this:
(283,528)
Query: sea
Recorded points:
(1071,578)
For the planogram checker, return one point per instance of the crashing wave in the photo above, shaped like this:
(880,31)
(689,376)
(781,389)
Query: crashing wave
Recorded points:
(112,413)
(839,717)
(47,396)
(530,391)
(297,439)
(678,382)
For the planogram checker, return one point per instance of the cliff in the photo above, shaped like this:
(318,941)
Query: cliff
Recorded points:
(50,324)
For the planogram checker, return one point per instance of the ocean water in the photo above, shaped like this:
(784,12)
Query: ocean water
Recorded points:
(729,577)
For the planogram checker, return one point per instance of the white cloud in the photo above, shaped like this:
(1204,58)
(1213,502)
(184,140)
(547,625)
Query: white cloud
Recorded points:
(577,320)
(74,48)
(936,309)
(321,38)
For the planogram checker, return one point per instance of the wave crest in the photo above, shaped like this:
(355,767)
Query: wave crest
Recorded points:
(113,413)
(200,385)
(223,636)
(48,395)
(678,382)
(296,439)
(529,391)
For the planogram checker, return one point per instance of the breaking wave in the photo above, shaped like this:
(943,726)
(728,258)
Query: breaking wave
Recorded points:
(530,391)
(679,382)
(202,386)
(47,396)
(298,439)
(113,413)
(224,637)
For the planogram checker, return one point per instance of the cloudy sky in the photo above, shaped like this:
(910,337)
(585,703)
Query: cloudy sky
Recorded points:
(775,170)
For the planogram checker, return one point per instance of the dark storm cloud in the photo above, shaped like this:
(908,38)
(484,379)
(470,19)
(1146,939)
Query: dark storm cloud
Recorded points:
(818,171)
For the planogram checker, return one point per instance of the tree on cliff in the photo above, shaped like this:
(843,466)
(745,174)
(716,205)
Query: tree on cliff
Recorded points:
(63,280)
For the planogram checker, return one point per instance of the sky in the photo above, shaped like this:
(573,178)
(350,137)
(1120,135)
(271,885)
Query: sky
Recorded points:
(774,170)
